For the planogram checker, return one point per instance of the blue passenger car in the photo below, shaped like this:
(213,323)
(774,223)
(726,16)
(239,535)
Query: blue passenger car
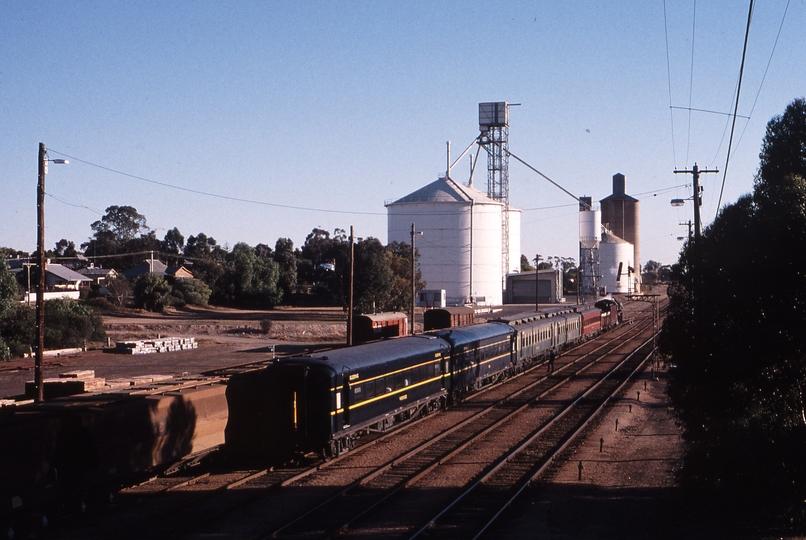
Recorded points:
(480,354)
(320,403)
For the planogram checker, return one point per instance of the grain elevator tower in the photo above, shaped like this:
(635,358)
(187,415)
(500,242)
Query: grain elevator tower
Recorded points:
(494,138)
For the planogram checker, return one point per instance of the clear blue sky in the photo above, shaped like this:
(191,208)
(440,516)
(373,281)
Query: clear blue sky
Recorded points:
(341,106)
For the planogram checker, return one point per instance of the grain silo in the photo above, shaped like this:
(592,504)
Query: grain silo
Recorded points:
(590,235)
(460,245)
(617,256)
(621,215)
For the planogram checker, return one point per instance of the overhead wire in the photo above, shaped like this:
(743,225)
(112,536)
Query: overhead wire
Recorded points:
(736,106)
(766,69)
(669,80)
(691,78)
(216,195)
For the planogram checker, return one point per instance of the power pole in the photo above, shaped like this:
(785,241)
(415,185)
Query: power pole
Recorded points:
(697,195)
(39,370)
(413,292)
(537,282)
(350,306)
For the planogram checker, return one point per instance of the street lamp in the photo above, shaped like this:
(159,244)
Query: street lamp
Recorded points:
(39,374)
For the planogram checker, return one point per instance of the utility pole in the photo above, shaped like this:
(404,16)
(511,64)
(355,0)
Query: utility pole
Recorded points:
(537,282)
(350,306)
(688,223)
(39,371)
(413,292)
(697,195)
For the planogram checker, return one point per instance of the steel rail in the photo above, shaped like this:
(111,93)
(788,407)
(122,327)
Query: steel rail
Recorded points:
(504,460)
(636,330)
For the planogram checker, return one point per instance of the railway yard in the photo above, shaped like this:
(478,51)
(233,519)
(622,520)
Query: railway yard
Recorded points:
(588,450)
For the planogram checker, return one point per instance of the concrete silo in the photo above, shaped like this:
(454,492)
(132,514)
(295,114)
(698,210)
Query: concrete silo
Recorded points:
(616,255)
(460,247)
(621,215)
(590,235)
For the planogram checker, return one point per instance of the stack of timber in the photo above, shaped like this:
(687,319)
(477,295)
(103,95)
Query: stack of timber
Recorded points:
(69,383)
(160,345)
(84,381)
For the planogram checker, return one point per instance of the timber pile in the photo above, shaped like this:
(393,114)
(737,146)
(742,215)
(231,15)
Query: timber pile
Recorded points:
(160,345)
(83,381)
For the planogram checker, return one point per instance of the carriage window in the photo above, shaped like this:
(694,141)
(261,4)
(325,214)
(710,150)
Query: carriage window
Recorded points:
(370,390)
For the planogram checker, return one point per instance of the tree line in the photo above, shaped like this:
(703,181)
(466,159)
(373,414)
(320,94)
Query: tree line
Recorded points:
(246,276)
(736,337)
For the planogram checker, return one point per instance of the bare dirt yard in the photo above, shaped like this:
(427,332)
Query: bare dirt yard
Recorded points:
(225,337)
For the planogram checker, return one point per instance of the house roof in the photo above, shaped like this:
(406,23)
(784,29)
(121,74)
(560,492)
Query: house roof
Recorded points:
(64,273)
(95,271)
(154,267)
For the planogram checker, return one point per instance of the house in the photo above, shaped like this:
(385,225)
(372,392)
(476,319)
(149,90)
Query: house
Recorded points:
(99,276)
(155,266)
(60,281)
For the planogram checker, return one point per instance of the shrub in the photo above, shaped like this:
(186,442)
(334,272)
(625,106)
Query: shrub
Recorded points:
(152,293)
(191,291)
(71,324)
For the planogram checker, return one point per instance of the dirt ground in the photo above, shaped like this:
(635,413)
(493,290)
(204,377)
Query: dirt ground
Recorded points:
(226,337)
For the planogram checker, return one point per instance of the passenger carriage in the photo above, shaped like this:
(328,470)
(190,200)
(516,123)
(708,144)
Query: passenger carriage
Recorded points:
(320,403)
(480,354)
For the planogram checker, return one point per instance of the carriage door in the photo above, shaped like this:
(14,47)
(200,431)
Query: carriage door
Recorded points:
(343,399)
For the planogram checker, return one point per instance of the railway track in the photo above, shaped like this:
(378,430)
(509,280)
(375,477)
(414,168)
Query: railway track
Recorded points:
(185,505)
(372,481)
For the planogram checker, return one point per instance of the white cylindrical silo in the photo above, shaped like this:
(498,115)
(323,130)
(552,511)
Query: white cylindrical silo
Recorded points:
(590,227)
(615,252)
(460,247)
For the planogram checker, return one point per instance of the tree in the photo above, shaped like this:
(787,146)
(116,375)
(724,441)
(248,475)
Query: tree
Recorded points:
(526,265)
(152,292)
(124,222)
(65,248)
(9,291)
(739,387)
(286,259)
(399,255)
(651,270)
(207,258)
(121,236)
(173,243)
(119,288)
(69,323)
(9,288)
(373,278)
(248,280)
(191,291)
